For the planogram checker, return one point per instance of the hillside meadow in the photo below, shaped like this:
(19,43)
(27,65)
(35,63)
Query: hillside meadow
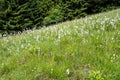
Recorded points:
(82,49)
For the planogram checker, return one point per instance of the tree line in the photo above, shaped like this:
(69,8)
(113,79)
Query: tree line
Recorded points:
(19,15)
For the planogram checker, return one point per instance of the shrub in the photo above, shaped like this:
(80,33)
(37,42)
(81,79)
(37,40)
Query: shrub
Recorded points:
(55,16)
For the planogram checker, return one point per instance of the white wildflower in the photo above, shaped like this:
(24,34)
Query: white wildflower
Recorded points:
(112,38)
(76,27)
(51,70)
(114,55)
(58,35)
(37,38)
(97,72)
(22,46)
(68,71)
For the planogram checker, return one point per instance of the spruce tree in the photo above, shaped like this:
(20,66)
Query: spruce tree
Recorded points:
(23,14)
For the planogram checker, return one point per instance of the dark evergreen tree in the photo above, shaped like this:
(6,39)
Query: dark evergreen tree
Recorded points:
(19,15)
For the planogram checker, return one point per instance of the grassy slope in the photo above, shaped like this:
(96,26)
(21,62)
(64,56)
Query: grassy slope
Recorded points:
(88,48)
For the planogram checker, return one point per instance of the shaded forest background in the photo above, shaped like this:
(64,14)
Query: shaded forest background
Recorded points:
(19,15)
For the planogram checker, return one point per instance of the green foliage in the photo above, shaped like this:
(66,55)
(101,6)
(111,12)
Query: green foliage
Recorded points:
(1,4)
(19,15)
(95,6)
(54,16)
(74,9)
(95,75)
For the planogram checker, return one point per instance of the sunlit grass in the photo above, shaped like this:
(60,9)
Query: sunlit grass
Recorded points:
(82,49)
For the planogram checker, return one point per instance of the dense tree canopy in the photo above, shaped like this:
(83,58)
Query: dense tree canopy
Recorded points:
(18,15)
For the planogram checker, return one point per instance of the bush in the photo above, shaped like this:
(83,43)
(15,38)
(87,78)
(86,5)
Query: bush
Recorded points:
(55,16)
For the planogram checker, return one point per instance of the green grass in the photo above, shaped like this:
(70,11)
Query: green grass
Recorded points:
(82,49)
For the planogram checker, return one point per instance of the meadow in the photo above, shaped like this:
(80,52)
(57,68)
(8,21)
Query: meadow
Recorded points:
(82,49)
